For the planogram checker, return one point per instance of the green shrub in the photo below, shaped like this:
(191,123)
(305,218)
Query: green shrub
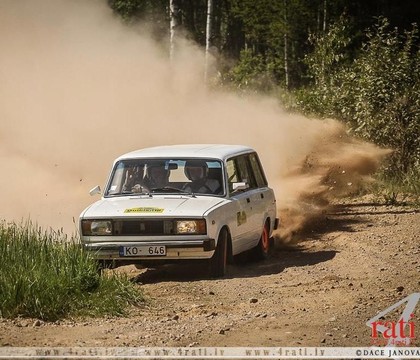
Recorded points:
(46,276)
(251,74)
(377,95)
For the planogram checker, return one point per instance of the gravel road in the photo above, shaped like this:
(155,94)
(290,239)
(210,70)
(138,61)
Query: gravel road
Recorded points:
(358,260)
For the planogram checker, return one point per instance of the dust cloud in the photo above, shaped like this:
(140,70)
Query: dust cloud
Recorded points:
(78,88)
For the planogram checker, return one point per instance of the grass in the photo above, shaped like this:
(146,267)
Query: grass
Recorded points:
(46,276)
(397,189)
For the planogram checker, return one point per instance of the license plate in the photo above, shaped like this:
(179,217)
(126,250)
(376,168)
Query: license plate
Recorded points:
(142,250)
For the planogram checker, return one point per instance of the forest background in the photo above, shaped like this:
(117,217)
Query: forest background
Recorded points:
(356,61)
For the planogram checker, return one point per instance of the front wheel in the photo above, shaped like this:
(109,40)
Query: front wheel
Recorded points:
(218,262)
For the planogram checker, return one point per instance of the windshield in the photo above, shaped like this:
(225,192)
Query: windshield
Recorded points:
(150,176)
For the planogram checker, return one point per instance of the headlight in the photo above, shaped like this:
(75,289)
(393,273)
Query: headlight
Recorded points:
(96,227)
(191,227)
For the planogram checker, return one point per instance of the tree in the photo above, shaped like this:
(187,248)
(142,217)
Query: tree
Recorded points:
(327,65)
(274,31)
(173,15)
(208,36)
(386,101)
(377,94)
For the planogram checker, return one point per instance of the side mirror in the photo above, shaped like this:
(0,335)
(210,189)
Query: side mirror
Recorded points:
(172,166)
(96,190)
(239,186)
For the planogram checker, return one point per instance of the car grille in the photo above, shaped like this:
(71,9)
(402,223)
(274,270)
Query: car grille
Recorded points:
(143,227)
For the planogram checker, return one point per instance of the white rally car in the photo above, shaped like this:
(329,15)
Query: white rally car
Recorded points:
(183,202)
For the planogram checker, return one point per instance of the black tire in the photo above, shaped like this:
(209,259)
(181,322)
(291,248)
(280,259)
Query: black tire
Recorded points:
(264,248)
(218,262)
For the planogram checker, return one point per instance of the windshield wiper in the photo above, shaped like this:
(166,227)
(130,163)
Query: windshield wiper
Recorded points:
(166,189)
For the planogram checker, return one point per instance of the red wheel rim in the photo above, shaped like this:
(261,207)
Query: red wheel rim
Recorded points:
(265,241)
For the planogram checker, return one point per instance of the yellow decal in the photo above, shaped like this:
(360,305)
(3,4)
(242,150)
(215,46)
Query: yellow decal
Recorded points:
(144,210)
(241,218)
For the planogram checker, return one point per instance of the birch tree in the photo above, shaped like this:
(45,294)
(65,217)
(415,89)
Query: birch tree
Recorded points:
(208,38)
(286,54)
(173,24)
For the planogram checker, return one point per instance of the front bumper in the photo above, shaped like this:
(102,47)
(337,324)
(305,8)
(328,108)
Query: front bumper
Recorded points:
(180,249)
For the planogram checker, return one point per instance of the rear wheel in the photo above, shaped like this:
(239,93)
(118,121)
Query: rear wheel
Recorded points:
(218,262)
(263,250)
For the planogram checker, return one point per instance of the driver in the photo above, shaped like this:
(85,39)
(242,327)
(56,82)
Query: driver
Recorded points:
(197,172)
(157,176)
(134,181)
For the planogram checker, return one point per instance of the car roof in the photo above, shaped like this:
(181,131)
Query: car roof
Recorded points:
(215,151)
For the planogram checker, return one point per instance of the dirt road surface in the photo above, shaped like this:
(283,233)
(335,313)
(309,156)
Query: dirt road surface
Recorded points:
(360,259)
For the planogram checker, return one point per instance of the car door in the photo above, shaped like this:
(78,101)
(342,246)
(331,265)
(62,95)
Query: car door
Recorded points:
(263,199)
(243,194)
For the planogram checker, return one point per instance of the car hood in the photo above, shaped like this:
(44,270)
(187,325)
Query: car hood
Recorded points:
(145,206)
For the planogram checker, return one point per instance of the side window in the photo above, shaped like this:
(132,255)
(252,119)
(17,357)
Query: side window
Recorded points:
(245,172)
(257,170)
(239,170)
(232,173)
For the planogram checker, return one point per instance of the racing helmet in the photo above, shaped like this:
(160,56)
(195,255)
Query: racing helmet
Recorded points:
(163,172)
(196,163)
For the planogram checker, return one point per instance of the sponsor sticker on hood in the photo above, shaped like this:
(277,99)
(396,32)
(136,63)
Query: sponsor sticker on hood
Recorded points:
(144,210)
